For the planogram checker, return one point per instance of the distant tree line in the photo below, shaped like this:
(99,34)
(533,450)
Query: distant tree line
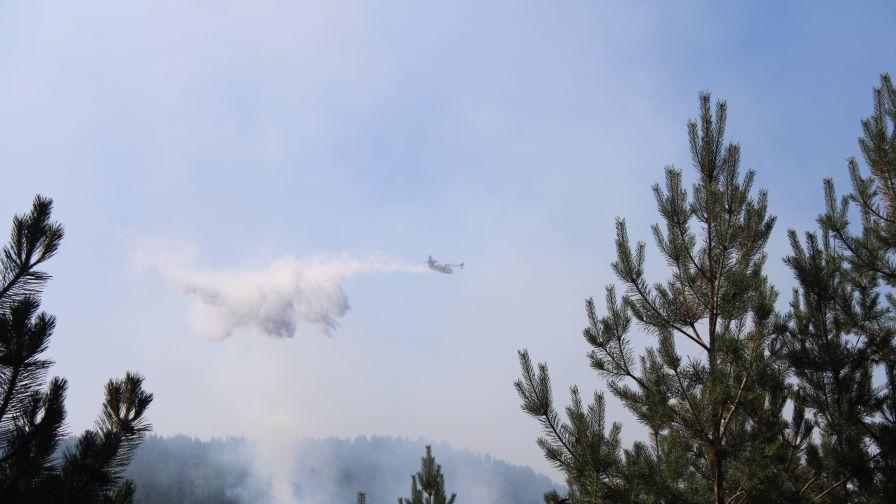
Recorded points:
(226,471)
(726,364)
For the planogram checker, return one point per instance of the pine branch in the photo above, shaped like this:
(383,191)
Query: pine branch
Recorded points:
(835,485)
(695,338)
(731,410)
(736,495)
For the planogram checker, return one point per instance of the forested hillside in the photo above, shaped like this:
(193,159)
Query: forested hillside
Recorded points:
(182,469)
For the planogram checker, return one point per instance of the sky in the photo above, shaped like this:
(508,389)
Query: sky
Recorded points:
(508,135)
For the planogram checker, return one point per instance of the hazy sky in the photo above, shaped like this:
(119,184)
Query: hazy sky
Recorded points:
(507,135)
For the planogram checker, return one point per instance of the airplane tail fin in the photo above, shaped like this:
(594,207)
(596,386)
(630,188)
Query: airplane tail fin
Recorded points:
(461,265)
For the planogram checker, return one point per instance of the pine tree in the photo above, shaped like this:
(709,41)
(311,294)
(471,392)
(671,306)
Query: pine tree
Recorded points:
(362,498)
(841,341)
(32,419)
(428,485)
(712,390)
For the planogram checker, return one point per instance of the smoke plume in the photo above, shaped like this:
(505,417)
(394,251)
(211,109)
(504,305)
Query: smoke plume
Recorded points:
(274,299)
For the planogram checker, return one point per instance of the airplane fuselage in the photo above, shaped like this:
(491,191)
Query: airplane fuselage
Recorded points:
(446,268)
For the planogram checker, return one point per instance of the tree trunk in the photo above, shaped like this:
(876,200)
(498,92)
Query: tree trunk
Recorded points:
(719,477)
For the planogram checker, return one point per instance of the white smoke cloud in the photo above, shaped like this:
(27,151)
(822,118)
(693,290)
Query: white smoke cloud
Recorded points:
(275,299)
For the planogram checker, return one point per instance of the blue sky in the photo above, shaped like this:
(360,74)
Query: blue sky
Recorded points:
(507,135)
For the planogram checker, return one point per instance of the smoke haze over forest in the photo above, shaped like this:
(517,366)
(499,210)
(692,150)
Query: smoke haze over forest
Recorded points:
(189,471)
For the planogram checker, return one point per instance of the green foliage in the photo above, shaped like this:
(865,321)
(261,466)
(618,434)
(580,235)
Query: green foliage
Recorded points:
(428,485)
(711,391)
(841,341)
(32,419)
(579,447)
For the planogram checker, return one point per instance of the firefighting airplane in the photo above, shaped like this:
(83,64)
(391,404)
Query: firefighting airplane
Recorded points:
(446,268)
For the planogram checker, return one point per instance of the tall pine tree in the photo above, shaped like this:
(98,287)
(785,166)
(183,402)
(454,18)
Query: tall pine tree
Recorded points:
(711,391)
(841,341)
(32,418)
